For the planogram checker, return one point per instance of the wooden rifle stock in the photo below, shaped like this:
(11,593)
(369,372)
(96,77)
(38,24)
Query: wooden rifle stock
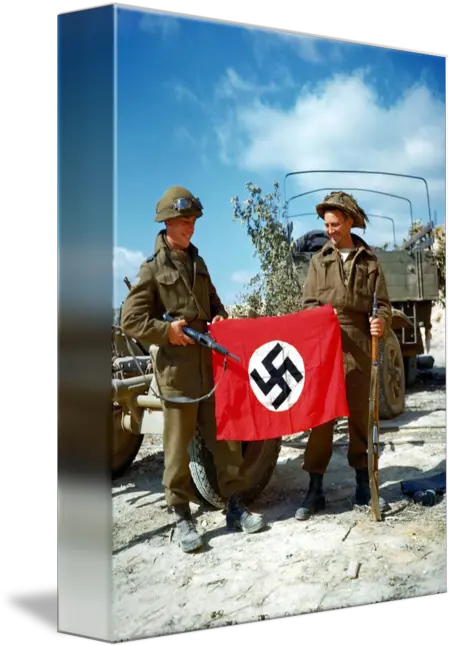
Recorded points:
(373,424)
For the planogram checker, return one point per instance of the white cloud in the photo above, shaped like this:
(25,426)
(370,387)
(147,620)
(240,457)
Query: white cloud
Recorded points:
(126,263)
(340,124)
(343,123)
(183,93)
(183,135)
(242,277)
(232,84)
(308,48)
(166,26)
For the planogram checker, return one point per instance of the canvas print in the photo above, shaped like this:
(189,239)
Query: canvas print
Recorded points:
(278,328)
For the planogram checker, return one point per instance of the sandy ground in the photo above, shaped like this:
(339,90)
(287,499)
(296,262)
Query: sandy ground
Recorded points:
(290,568)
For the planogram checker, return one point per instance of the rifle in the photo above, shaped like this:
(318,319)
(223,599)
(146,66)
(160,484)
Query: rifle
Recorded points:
(373,424)
(203,339)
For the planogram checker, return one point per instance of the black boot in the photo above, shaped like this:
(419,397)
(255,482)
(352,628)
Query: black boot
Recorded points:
(362,491)
(314,500)
(188,537)
(239,517)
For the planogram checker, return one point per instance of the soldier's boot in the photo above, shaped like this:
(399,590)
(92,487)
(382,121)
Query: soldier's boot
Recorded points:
(188,538)
(362,491)
(239,517)
(314,500)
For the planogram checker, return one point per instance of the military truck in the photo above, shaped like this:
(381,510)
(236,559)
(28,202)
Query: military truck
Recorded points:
(137,411)
(412,280)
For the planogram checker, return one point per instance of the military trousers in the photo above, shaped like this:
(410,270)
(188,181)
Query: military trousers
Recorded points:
(357,366)
(320,444)
(180,422)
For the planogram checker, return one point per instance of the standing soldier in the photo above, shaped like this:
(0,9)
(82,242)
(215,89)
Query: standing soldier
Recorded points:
(176,280)
(346,274)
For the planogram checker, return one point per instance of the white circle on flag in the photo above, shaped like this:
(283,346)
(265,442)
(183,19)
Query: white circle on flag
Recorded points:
(277,375)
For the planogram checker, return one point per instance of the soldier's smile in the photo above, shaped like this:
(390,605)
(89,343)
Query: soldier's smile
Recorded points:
(338,228)
(181,230)
(188,231)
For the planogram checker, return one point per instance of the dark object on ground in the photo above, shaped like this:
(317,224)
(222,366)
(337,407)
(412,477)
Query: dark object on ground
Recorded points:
(425,362)
(426,491)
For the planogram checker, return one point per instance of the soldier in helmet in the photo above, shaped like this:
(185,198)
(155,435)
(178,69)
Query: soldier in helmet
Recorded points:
(345,273)
(176,280)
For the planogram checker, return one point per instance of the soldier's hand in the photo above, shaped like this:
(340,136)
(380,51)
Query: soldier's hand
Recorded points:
(376,326)
(217,318)
(176,336)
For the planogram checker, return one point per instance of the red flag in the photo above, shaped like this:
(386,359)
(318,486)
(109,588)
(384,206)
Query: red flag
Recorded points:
(290,376)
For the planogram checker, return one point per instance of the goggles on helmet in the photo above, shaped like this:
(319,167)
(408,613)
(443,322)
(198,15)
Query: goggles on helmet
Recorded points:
(187,204)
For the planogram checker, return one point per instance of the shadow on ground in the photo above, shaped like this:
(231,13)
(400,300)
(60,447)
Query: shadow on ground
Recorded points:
(144,477)
(289,484)
(287,487)
(392,492)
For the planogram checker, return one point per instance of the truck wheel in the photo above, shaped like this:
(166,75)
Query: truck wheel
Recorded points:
(391,377)
(259,462)
(125,446)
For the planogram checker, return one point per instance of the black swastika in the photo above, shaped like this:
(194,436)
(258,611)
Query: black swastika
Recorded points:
(276,376)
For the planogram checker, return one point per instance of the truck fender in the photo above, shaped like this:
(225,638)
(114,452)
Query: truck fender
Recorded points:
(399,319)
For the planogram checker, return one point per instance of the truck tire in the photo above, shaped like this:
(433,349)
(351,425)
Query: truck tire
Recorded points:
(260,460)
(391,377)
(125,445)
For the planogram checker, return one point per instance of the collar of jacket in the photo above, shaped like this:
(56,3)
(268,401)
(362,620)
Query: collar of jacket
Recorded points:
(361,246)
(161,244)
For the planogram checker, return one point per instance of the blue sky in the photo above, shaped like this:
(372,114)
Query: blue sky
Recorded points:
(211,106)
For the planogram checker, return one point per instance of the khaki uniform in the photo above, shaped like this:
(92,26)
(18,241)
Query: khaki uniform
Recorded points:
(349,288)
(179,283)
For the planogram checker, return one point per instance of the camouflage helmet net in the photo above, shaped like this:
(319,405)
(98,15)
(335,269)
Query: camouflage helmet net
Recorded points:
(347,204)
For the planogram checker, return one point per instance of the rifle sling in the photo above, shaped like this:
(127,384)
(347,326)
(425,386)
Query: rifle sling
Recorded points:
(173,400)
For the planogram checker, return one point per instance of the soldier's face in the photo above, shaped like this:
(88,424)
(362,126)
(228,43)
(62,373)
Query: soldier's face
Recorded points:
(181,230)
(338,228)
